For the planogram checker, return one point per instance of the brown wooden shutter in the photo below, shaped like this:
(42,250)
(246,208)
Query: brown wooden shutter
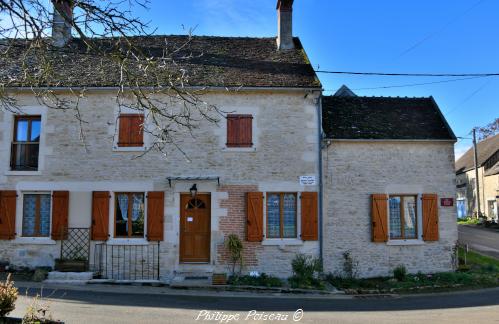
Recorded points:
(239,130)
(430,217)
(100,215)
(155,215)
(60,209)
(309,224)
(254,216)
(131,132)
(379,215)
(8,215)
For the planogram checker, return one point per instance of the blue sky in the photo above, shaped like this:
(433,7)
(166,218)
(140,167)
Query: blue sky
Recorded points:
(427,36)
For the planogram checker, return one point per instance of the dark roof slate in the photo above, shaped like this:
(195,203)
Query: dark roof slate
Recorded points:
(384,118)
(207,61)
(485,149)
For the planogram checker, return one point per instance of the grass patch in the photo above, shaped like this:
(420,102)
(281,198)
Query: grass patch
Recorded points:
(479,272)
(468,221)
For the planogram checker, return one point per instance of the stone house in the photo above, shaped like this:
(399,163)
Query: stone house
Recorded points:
(299,184)
(387,163)
(488,180)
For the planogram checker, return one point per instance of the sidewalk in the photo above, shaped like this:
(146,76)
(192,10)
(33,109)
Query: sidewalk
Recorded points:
(211,291)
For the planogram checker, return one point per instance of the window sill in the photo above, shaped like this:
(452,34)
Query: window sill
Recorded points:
(282,242)
(129,149)
(126,241)
(405,242)
(239,149)
(34,240)
(22,173)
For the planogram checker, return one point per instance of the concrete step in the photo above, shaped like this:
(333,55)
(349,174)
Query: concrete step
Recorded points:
(70,276)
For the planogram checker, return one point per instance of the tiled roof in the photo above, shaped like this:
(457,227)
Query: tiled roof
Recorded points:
(207,61)
(384,118)
(485,149)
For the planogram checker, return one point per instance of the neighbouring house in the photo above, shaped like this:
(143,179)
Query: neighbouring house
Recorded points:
(488,180)
(277,171)
(387,163)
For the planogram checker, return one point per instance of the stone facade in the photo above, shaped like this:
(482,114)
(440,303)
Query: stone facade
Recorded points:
(354,171)
(285,147)
(489,192)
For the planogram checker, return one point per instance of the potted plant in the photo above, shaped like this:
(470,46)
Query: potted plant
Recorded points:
(73,263)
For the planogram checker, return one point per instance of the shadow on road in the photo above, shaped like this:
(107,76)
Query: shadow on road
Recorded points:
(437,301)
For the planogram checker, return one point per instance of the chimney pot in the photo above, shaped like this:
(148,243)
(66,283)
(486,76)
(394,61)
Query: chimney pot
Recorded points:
(61,28)
(285,25)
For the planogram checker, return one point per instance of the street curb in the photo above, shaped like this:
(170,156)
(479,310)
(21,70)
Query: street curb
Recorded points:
(162,291)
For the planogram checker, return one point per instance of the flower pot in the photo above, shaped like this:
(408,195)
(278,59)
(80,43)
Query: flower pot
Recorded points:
(70,265)
(219,279)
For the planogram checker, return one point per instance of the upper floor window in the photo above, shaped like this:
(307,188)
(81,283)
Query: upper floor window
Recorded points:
(26,143)
(239,130)
(403,220)
(131,130)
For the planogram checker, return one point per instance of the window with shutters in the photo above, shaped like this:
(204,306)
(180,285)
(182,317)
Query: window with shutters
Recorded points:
(131,130)
(26,143)
(403,219)
(281,215)
(239,130)
(129,214)
(36,214)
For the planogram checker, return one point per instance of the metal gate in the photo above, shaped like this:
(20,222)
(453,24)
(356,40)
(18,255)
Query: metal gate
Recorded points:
(127,262)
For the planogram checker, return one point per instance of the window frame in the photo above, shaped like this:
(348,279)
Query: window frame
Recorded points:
(239,143)
(281,215)
(37,233)
(15,143)
(129,217)
(128,145)
(402,219)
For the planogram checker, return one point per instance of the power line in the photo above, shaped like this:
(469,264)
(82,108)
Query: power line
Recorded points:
(413,84)
(444,27)
(411,74)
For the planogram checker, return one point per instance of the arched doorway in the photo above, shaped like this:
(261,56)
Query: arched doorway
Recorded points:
(195,228)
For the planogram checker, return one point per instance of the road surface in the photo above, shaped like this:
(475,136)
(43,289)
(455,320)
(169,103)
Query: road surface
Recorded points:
(83,306)
(481,240)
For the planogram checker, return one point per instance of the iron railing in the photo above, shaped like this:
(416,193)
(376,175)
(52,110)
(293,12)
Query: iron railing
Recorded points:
(24,156)
(76,245)
(127,262)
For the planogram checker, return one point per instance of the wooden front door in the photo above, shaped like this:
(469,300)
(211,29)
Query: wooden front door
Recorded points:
(195,228)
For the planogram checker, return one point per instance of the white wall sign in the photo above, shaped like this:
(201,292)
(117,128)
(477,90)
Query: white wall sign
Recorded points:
(307,180)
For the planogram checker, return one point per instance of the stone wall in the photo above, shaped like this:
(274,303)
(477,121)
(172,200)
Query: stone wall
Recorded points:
(354,171)
(286,147)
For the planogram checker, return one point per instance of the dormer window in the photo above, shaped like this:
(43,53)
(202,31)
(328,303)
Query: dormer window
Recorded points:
(26,143)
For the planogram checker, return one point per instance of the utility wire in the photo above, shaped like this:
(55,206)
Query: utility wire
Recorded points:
(443,28)
(411,74)
(414,84)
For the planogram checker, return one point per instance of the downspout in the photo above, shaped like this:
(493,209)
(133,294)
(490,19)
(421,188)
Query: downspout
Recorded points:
(319,145)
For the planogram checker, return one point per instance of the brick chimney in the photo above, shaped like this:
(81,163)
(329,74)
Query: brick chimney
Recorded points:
(285,24)
(61,29)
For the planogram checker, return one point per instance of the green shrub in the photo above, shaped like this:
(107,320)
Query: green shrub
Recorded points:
(235,246)
(8,296)
(306,272)
(400,273)
(263,280)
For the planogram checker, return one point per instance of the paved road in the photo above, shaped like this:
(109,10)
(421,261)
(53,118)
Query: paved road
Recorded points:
(83,306)
(482,240)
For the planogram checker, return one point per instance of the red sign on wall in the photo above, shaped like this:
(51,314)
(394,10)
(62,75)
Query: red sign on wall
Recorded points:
(446,202)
